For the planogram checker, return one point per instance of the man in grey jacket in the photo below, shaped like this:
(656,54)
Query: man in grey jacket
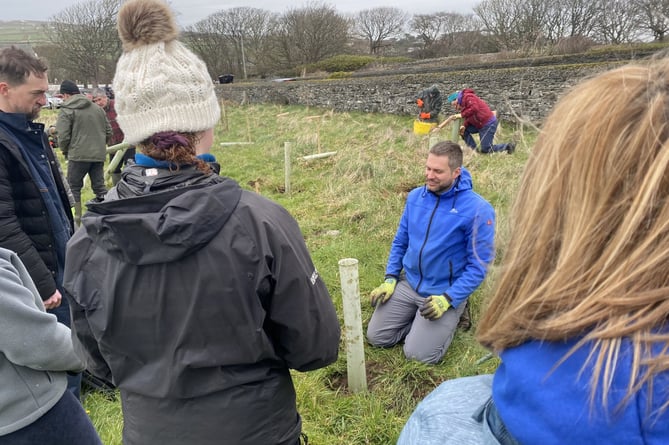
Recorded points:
(35,353)
(83,132)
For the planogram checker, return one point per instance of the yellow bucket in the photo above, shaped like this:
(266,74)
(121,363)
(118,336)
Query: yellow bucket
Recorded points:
(420,127)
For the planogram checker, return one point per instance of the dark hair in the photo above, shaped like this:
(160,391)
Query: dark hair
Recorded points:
(16,66)
(450,149)
(176,148)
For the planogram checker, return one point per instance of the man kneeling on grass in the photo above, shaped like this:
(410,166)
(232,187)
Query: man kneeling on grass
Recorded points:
(443,245)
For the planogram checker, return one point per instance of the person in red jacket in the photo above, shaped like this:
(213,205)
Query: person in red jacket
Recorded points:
(100,97)
(477,118)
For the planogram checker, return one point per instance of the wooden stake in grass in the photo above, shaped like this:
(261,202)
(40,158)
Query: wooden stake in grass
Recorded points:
(355,349)
(224,116)
(286,166)
(455,130)
(248,128)
(318,129)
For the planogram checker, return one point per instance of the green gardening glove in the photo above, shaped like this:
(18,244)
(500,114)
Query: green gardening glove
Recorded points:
(383,293)
(435,306)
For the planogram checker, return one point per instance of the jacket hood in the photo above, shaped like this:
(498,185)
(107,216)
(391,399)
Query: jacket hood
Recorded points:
(465,92)
(464,181)
(77,102)
(164,226)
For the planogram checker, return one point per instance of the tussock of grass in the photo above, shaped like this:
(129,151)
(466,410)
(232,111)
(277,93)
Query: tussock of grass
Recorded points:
(348,206)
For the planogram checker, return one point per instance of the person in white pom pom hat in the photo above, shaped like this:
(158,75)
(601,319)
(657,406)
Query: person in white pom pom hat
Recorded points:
(193,296)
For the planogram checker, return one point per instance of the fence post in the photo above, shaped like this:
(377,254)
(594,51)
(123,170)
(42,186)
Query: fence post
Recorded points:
(455,130)
(286,166)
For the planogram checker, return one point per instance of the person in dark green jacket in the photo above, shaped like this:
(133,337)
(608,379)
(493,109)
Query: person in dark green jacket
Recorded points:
(83,132)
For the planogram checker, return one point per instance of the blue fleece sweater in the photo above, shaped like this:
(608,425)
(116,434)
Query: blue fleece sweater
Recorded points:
(553,408)
(444,242)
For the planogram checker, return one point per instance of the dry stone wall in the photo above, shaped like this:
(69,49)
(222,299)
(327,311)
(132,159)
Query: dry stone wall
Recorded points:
(523,92)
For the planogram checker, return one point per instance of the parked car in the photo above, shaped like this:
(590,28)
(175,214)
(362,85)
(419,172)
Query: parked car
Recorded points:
(53,101)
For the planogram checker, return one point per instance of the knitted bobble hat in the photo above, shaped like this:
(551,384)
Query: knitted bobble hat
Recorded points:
(159,84)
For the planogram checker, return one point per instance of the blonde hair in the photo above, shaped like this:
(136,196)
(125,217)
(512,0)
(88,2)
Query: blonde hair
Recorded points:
(589,258)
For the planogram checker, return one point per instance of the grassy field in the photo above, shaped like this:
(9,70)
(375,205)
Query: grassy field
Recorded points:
(22,31)
(348,206)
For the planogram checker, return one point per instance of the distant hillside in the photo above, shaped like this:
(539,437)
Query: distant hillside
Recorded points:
(22,31)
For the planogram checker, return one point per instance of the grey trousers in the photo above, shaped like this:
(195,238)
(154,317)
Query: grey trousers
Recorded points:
(399,319)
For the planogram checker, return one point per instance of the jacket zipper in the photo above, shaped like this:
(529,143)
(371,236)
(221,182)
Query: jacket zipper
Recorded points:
(427,235)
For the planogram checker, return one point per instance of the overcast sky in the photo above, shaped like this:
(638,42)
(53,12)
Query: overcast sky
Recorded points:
(191,11)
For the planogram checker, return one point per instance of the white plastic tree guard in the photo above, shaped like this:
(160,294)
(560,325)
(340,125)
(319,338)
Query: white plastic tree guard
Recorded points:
(353,337)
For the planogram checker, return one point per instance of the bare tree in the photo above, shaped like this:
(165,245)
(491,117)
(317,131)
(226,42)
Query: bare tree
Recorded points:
(463,36)
(310,34)
(569,19)
(234,40)
(448,33)
(376,25)
(524,24)
(617,21)
(582,15)
(654,16)
(429,27)
(531,19)
(207,40)
(87,37)
(569,25)
(499,17)
(249,31)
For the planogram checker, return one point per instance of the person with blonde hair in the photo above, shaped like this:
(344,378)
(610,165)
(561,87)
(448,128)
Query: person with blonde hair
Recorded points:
(579,312)
(191,295)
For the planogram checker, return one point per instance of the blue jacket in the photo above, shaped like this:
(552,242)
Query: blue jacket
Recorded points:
(444,242)
(541,403)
